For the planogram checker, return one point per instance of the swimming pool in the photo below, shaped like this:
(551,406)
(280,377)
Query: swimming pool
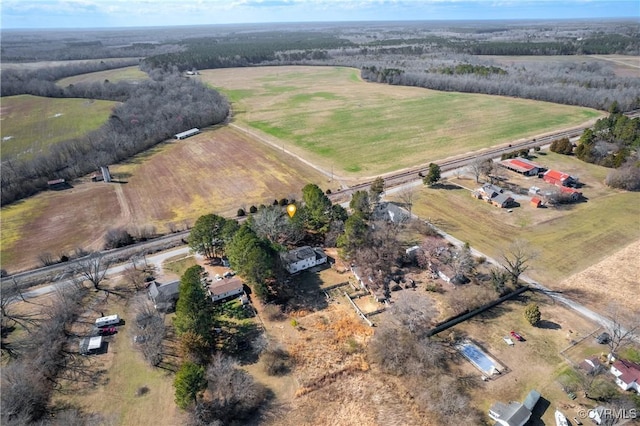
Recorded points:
(479,359)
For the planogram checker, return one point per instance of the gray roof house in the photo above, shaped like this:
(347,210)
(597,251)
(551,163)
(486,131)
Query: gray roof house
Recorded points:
(302,258)
(390,212)
(164,296)
(514,413)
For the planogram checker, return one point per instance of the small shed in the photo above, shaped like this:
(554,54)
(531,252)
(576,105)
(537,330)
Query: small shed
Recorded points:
(536,202)
(57,184)
(90,345)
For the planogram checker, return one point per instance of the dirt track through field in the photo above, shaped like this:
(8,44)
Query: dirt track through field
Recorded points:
(125,211)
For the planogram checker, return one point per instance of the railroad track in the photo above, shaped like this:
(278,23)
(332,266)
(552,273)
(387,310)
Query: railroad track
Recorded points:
(413,174)
(54,272)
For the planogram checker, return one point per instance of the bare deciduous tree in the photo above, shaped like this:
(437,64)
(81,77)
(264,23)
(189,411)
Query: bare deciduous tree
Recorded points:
(622,328)
(516,259)
(93,269)
(406,197)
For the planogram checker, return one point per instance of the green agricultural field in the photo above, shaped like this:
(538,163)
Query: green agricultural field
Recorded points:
(115,75)
(30,124)
(332,118)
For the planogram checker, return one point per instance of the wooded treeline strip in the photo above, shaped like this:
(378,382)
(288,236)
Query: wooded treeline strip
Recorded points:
(41,82)
(250,49)
(154,111)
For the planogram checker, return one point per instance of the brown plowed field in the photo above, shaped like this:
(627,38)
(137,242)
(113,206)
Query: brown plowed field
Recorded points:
(217,171)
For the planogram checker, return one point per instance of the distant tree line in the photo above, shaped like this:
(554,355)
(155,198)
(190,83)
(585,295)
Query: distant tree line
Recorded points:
(41,81)
(471,69)
(153,111)
(243,50)
(598,93)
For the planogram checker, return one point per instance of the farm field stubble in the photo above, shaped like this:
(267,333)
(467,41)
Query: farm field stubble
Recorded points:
(331,117)
(218,171)
(33,123)
(115,75)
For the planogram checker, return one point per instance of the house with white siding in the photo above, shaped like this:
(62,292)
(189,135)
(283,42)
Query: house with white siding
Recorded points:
(302,258)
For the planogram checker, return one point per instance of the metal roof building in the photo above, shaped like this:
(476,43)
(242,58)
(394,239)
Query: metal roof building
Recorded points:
(187,133)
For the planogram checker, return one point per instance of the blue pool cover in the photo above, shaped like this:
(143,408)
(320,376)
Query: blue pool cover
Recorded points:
(478,358)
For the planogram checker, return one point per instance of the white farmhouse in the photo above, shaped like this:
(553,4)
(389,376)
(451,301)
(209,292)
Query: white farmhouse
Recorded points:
(302,258)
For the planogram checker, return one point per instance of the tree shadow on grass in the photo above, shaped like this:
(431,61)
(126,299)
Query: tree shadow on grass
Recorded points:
(446,186)
(548,325)
(237,340)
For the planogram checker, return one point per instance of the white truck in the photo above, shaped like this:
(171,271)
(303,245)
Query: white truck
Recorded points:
(108,320)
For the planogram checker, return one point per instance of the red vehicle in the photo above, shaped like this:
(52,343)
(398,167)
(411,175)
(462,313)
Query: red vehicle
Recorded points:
(107,331)
(516,336)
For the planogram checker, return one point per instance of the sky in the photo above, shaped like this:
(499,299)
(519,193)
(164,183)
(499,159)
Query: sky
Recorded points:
(137,13)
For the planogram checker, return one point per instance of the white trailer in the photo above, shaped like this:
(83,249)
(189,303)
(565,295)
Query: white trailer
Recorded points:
(108,320)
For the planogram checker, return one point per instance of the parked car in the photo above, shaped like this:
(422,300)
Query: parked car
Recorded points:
(516,336)
(107,331)
(603,338)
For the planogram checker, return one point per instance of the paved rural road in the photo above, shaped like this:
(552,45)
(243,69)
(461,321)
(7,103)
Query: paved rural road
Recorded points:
(581,309)
(155,259)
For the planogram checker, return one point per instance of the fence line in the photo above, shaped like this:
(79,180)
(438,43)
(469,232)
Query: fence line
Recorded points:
(461,318)
(362,315)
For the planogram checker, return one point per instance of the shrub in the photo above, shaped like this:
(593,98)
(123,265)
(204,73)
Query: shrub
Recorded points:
(117,237)
(283,202)
(240,213)
(253,209)
(276,361)
(532,313)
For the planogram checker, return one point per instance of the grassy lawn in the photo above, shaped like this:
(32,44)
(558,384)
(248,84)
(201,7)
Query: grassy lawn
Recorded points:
(533,364)
(30,124)
(335,119)
(179,265)
(568,239)
(114,76)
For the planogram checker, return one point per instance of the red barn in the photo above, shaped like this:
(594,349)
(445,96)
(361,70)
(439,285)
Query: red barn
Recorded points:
(557,178)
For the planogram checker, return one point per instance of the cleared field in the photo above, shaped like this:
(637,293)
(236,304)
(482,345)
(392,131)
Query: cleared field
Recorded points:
(56,223)
(32,123)
(334,119)
(48,64)
(119,74)
(568,240)
(218,171)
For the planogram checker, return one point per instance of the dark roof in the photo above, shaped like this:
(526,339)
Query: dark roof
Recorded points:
(630,371)
(297,254)
(502,198)
(164,291)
